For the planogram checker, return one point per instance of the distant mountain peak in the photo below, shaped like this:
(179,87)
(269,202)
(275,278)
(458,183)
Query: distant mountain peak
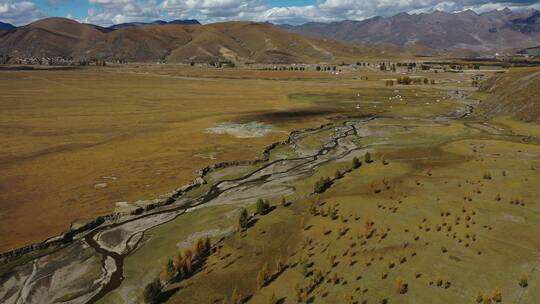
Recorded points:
(156,22)
(6,26)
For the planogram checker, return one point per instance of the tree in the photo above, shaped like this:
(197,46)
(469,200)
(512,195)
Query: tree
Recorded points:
(236,297)
(524,281)
(170,270)
(367,158)
(273,299)
(244,219)
(497,295)
(322,184)
(201,247)
(262,206)
(402,287)
(152,292)
(263,277)
(180,265)
(188,261)
(356,163)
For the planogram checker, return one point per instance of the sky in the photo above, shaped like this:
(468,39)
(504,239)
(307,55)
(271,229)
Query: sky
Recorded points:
(108,12)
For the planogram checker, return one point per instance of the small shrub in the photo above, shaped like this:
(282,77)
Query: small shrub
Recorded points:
(152,292)
(170,270)
(479,297)
(243,220)
(497,295)
(262,206)
(367,158)
(273,299)
(356,163)
(263,277)
(446,284)
(236,297)
(322,184)
(524,281)
(402,287)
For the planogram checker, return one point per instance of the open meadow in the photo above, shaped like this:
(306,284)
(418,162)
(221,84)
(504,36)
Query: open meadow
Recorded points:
(75,142)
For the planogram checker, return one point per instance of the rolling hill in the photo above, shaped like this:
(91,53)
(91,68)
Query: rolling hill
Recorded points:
(515,93)
(49,38)
(439,31)
(231,41)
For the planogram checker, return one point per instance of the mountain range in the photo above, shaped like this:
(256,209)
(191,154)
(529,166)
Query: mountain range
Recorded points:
(439,32)
(157,22)
(227,41)
(463,34)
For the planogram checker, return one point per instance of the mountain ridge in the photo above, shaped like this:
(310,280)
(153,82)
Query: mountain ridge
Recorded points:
(4,27)
(441,31)
(233,41)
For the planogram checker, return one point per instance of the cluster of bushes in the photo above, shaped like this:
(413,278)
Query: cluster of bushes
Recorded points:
(263,206)
(184,265)
(222,64)
(325,182)
(266,274)
(322,185)
(401,286)
(408,80)
(302,292)
(496,296)
(4,59)
(326,68)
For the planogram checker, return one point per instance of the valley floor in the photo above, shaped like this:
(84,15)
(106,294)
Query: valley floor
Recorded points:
(446,211)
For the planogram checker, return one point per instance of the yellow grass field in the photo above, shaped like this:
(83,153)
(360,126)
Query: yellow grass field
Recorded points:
(75,142)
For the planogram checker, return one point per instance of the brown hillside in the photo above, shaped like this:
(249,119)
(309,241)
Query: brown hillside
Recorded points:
(49,37)
(147,43)
(515,93)
(232,41)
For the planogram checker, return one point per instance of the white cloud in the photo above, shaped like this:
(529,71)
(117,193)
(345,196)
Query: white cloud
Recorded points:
(108,12)
(19,12)
(324,10)
(214,10)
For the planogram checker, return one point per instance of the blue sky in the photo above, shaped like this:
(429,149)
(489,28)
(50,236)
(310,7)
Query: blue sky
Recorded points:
(107,12)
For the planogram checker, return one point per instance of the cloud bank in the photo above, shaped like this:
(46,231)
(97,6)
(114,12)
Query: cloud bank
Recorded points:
(107,12)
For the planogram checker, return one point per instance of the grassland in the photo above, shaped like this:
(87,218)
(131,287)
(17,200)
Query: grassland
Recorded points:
(75,142)
(449,216)
(451,220)
(142,134)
